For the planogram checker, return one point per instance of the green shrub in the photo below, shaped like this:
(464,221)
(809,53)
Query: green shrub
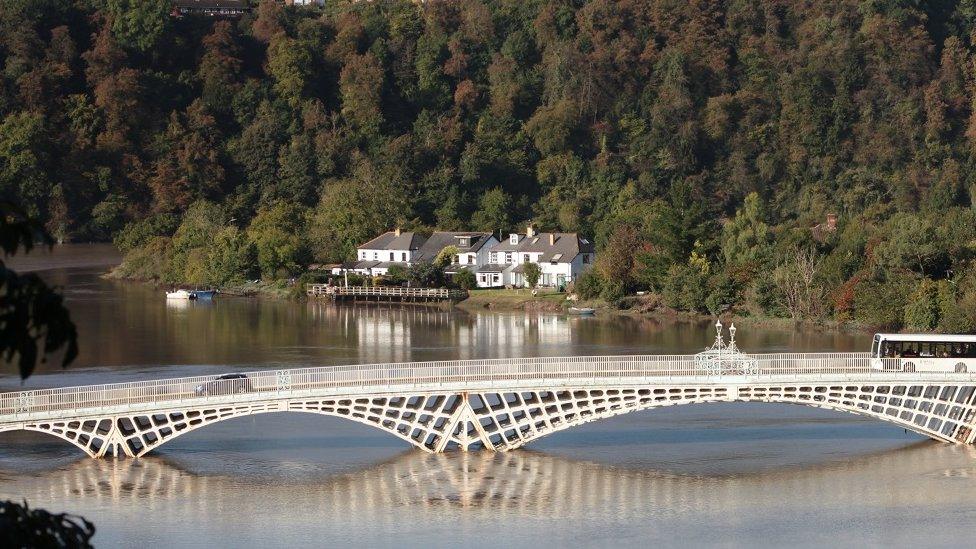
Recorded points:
(922,308)
(588,285)
(880,305)
(613,291)
(959,318)
(138,233)
(396,274)
(147,262)
(685,288)
(425,275)
(231,259)
(532,274)
(722,293)
(465,279)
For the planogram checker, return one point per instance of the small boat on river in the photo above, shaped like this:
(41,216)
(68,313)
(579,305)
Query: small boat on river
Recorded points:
(191,294)
(180,294)
(582,311)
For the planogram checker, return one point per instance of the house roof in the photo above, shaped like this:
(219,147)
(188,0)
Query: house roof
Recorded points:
(212,4)
(442,239)
(390,240)
(493,268)
(565,247)
(388,264)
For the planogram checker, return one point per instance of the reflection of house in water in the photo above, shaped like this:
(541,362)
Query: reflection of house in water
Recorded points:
(379,334)
(494,334)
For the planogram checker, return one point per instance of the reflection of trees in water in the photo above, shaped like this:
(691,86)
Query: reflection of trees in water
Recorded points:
(518,483)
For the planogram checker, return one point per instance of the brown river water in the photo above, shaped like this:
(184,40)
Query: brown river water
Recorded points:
(708,475)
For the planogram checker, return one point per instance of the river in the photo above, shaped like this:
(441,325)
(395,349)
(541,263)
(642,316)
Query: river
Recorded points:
(717,474)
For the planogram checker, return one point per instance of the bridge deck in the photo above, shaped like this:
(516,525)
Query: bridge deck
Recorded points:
(497,404)
(459,375)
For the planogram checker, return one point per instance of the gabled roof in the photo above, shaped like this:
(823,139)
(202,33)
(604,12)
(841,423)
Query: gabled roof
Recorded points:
(391,241)
(565,247)
(493,268)
(442,239)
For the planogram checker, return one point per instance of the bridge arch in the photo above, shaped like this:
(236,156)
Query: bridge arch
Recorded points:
(509,419)
(422,420)
(89,435)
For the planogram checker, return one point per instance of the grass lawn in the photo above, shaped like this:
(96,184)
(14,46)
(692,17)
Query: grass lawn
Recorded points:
(504,298)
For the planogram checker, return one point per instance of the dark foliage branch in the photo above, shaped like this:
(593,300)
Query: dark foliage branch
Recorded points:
(23,527)
(33,319)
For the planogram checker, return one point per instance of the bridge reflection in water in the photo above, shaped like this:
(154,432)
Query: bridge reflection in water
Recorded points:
(522,483)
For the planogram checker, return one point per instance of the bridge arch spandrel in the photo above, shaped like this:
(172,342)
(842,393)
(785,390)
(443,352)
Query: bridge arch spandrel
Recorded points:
(422,420)
(509,420)
(90,435)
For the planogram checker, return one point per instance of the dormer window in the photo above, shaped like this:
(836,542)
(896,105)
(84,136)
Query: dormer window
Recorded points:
(464,241)
(513,239)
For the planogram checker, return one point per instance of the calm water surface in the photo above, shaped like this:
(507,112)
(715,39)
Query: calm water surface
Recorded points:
(718,474)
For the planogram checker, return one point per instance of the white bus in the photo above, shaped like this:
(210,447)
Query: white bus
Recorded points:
(924,352)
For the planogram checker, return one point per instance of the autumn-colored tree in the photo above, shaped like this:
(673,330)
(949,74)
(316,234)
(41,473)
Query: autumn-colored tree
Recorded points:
(361,83)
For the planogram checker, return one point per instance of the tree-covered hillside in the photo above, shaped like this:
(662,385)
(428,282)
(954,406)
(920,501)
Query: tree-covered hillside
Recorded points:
(696,141)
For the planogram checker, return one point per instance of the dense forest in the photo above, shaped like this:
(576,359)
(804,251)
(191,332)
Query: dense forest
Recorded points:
(698,142)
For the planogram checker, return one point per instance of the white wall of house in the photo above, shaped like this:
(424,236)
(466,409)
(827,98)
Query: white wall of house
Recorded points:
(490,280)
(402,256)
(556,274)
(479,258)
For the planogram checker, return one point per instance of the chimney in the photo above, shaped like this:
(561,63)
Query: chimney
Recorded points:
(397,231)
(831,222)
(529,232)
(552,239)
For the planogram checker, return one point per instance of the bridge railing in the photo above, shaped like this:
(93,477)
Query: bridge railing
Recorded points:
(434,373)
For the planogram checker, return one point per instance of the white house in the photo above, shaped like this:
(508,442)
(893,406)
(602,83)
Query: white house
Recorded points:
(374,258)
(561,257)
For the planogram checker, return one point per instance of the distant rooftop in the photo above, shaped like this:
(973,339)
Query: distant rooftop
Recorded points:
(214,8)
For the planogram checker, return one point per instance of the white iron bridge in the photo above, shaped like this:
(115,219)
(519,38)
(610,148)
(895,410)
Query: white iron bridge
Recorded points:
(498,404)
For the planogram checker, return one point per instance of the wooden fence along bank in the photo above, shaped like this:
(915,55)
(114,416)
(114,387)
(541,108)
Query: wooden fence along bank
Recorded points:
(384,293)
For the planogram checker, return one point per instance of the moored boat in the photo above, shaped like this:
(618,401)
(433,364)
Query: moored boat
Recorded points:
(180,294)
(202,294)
(582,311)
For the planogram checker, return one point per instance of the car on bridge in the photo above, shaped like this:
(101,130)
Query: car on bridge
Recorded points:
(226,384)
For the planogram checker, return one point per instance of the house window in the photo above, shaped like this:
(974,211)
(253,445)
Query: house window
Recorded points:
(526,258)
(376,256)
(391,256)
(464,242)
(508,257)
(513,239)
(403,256)
(494,257)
